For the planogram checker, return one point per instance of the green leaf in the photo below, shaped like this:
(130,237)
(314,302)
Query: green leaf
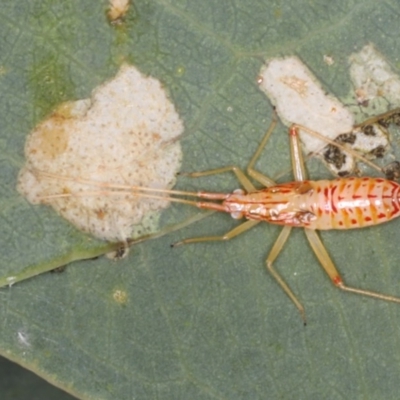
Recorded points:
(200,321)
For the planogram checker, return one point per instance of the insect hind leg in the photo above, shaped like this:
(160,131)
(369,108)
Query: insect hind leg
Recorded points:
(327,264)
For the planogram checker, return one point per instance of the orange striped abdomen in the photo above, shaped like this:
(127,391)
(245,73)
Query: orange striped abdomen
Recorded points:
(352,202)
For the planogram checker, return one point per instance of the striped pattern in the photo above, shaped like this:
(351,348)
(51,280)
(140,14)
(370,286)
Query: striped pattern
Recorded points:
(353,202)
(328,204)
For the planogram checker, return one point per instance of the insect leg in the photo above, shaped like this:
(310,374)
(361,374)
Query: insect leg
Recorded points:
(245,226)
(330,269)
(276,249)
(169,229)
(241,177)
(258,176)
(385,119)
(298,167)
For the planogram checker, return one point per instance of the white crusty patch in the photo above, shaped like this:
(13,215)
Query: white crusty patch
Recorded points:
(373,77)
(127,134)
(300,99)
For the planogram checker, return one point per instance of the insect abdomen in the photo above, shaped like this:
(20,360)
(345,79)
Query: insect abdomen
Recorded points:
(352,202)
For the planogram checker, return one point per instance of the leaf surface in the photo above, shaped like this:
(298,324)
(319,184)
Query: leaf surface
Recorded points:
(200,321)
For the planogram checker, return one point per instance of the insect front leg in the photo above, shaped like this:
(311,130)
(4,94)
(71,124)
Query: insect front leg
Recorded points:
(329,267)
(258,176)
(169,229)
(245,226)
(240,175)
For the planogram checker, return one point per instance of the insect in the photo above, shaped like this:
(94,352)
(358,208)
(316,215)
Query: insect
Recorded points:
(342,203)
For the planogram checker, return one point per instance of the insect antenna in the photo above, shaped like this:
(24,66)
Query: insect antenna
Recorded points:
(340,146)
(114,189)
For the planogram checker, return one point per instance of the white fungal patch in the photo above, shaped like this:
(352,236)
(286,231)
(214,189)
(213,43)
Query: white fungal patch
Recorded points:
(373,77)
(300,99)
(126,134)
(117,10)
